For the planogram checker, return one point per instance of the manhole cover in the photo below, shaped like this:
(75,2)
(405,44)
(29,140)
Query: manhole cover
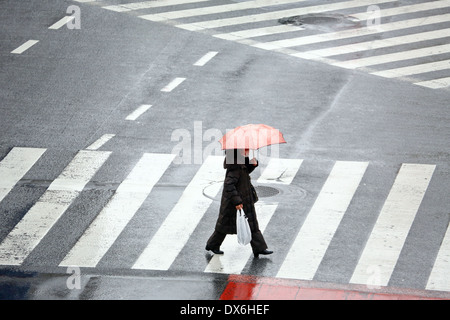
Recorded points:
(213,191)
(265,192)
(321,21)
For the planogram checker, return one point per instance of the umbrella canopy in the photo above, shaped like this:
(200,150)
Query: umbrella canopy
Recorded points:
(251,136)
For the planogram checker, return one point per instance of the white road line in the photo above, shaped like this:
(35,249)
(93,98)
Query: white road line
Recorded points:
(258,32)
(101,141)
(114,217)
(61,22)
(244,34)
(404,9)
(15,165)
(148,4)
(374,44)
(280,171)
(386,241)
(345,34)
(25,46)
(175,231)
(173,84)
(391,57)
(435,84)
(205,59)
(415,69)
(236,256)
(26,235)
(171,15)
(320,225)
(440,276)
(274,15)
(138,112)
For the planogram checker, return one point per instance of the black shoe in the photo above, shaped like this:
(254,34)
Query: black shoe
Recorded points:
(216,251)
(264,252)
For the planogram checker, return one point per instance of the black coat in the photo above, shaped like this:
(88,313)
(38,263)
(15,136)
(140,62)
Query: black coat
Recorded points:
(237,189)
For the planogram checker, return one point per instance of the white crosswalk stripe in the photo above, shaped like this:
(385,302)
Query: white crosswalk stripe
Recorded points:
(345,34)
(14,166)
(148,4)
(395,220)
(237,256)
(255,23)
(317,231)
(178,226)
(118,212)
(307,251)
(435,83)
(215,9)
(50,207)
(274,15)
(280,171)
(439,278)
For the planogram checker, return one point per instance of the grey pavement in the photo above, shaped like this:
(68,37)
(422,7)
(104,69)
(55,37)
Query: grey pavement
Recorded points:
(74,86)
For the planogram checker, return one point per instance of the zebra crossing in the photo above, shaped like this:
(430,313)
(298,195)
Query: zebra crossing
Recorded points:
(393,39)
(186,219)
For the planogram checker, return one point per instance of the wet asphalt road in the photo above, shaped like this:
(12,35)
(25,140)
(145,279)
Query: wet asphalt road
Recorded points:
(74,86)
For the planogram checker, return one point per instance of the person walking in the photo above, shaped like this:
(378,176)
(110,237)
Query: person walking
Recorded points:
(238,194)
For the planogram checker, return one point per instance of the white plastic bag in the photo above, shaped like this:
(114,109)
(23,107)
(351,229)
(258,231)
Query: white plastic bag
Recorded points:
(244,233)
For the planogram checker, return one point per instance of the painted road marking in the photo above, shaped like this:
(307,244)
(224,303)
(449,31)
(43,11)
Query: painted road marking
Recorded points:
(114,217)
(320,225)
(391,57)
(138,112)
(414,8)
(173,84)
(236,256)
(61,22)
(15,165)
(101,141)
(205,59)
(280,171)
(364,31)
(175,231)
(178,14)
(148,4)
(435,83)
(415,69)
(274,15)
(249,287)
(25,46)
(374,44)
(440,275)
(27,234)
(258,32)
(385,243)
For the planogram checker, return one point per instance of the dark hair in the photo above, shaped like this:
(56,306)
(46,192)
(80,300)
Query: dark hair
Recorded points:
(234,156)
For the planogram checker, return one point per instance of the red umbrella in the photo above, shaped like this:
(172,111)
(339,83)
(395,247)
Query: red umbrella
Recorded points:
(251,136)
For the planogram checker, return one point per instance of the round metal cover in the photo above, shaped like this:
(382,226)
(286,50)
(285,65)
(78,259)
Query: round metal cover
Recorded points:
(321,21)
(265,192)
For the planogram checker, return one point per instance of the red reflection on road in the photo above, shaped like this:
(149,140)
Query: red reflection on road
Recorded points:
(243,287)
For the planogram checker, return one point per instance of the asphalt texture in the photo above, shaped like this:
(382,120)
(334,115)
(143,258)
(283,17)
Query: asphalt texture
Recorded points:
(74,86)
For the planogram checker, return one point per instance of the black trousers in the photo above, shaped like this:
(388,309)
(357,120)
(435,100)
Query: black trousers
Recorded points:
(258,243)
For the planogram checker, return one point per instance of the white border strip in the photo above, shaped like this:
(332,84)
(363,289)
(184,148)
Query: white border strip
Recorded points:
(27,45)
(378,260)
(324,218)
(114,217)
(173,84)
(138,112)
